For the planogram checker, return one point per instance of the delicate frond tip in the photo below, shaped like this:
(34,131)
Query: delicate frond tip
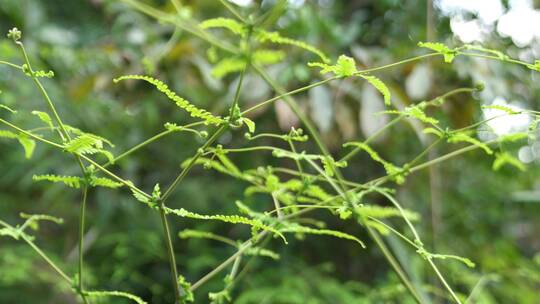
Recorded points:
(440,48)
(428,256)
(208,117)
(380,86)
(296,228)
(233,219)
(396,173)
(40,217)
(505,109)
(417,112)
(228,65)
(464,137)
(380,212)
(226,23)
(506,158)
(275,37)
(114,293)
(44,117)
(104,182)
(27,143)
(344,67)
(70,181)
(88,144)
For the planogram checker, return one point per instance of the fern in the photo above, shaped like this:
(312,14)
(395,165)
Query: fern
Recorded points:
(506,158)
(44,117)
(233,219)
(28,144)
(448,54)
(70,181)
(395,172)
(195,112)
(43,74)
(262,252)
(265,56)
(8,134)
(275,37)
(417,112)
(344,67)
(226,23)
(296,228)
(464,137)
(507,110)
(104,182)
(380,212)
(227,66)
(380,86)
(88,144)
(114,293)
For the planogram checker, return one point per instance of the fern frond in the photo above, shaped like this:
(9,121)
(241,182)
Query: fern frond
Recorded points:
(70,181)
(344,67)
(416,112)
(275,37)
(233,219)
(226,23)
(463,137)
(104,182)
(380,86)
(506,158)
(195,112)
(508,110)
(380,212)
(265,57)
(296,228)
(228,65)
(448,54)
(44,74)
(263,252)
(41,217)
(28,144)
(44,117)
(396,173)
(114,293)
(8,134)
(513,137)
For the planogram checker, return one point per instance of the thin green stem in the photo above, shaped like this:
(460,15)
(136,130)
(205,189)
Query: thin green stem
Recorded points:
(81,240)
(170,252)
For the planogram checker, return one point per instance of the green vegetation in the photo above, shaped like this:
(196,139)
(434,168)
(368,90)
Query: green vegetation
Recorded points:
(239,206)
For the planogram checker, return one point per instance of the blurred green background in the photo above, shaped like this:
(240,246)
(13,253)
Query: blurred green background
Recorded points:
(466,209)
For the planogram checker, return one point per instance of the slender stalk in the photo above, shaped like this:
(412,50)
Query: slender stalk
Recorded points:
(170,252)
(81,240)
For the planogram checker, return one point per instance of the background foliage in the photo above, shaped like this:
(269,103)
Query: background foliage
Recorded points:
(492,218)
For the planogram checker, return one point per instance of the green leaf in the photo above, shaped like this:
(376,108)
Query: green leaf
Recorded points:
(265,57)
(448,53)
(395,172)
(44,117)
(104,182)
(233,219)
(114,293)
(28,144)
(275,37)
(250,124)
(296,228)
(508,110)
(464,137)
(228,65)
(195,112)
(226,23)
(70,181)
(380,86)
(344,67)
(506,158)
